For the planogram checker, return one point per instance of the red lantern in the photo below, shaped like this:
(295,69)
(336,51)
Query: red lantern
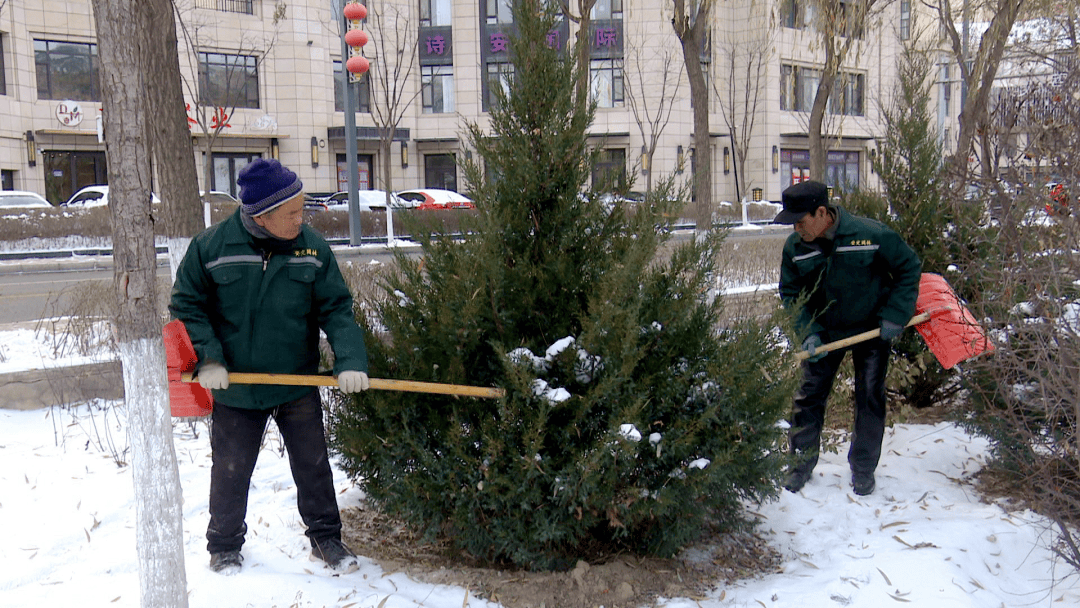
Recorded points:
(357,65)
(356,38)
(354,11)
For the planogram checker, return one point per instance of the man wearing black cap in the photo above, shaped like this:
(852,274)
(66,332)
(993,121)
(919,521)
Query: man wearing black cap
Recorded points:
(850,274)
(253,293)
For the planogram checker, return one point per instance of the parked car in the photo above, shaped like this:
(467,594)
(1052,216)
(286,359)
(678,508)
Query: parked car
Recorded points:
(1059,200)
(20,199)
(217,196)
(370,200)
(312,203)
(95,196)
(434,198)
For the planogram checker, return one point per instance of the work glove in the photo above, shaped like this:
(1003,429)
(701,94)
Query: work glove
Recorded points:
(213,376)
(810,345)
(890,331)
(352,381)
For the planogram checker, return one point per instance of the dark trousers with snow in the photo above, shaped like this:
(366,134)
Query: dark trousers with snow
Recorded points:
(236,439)
(871,361)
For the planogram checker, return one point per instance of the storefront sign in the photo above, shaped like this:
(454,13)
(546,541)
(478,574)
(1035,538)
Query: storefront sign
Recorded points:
(69,113)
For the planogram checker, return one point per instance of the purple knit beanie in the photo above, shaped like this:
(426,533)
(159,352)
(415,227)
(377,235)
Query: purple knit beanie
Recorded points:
(266,184)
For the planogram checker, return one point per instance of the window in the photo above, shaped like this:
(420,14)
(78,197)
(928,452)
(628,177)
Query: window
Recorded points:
(362,90)
(67,70)
(905,19)
(499,77)
(851,17)
(798,87)
(789,14)
(498,11)
(228,81)
(434,13)
(68,171)
(227,167)
(363,172)
(851,86)
(607,9)
(609,173)
(440,171)
(607,82)
(227,6)
(7,179)
(841,168)
(437,94)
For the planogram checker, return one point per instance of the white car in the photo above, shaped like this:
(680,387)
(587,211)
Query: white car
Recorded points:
(95,196)
(20,199)
(370,200)
(217,196)
(435,198)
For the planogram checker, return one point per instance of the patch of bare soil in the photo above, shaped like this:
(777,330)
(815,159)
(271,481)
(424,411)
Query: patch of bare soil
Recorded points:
(619,581)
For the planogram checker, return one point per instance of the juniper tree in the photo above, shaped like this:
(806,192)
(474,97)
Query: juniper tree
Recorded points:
(633,420)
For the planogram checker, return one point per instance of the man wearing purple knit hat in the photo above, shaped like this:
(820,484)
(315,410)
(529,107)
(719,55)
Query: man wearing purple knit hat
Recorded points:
(253,293)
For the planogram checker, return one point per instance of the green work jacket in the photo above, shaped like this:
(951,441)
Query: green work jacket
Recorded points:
(867,273)
(256,314)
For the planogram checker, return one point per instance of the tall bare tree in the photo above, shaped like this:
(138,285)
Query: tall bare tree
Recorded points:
(841,26)
(125,41)
(740,86)
(583,44)
(691,21)
(395,58)
(977,71)
(211,112)
(651,90)
(173,153)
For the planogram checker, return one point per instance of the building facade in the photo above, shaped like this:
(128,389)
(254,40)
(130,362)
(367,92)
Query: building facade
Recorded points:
(270,76)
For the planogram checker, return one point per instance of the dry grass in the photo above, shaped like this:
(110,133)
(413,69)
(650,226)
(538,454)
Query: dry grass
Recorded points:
(96,222)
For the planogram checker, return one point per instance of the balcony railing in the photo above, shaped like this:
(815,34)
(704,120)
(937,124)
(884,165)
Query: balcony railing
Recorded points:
(227,6)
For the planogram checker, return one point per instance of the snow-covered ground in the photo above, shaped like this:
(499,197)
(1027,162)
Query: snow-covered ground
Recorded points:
(924,537)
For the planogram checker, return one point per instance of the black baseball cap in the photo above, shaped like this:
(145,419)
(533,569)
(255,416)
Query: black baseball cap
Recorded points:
(800,199)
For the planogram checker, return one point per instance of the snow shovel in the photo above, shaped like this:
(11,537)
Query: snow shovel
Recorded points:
(946,325)
(188,398)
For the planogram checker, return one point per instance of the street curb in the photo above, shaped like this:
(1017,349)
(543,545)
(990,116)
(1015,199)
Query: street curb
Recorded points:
(43,388)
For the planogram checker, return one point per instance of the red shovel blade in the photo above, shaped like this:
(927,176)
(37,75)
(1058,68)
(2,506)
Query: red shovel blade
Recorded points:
(185,399)
(952,333)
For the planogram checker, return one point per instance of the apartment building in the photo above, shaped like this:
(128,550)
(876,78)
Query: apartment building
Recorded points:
(276,72)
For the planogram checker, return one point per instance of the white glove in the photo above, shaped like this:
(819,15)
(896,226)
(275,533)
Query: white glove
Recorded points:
(213,376)
(352,381)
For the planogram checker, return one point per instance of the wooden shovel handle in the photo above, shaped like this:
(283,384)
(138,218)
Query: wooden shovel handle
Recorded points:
(863,337)
(376,383)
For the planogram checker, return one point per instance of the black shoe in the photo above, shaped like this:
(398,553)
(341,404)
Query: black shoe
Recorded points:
(797,479)
(336,555)
(226,562)
(863,483)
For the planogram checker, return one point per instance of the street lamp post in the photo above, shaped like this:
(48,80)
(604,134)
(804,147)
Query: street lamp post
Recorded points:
(351,40)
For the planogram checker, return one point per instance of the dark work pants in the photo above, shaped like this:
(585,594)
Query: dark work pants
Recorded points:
(871,360)
(235,438)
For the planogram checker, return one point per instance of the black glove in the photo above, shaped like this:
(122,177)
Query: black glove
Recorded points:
(890,331)
(810,345)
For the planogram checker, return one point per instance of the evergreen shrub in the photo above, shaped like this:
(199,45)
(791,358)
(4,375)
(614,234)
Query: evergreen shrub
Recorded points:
(633,421)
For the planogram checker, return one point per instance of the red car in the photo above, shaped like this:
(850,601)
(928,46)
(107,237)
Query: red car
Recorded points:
(1059,200)
(434,198)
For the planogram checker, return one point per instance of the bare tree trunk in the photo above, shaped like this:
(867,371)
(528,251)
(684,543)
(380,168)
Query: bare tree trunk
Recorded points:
(817,117)
(978,73)
(124,37)
(692,30)
(177,178)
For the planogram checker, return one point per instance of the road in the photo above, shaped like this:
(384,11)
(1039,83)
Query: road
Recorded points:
(39,289)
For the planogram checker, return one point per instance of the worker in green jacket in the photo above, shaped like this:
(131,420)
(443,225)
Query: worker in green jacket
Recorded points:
(253,293)
(849,274)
